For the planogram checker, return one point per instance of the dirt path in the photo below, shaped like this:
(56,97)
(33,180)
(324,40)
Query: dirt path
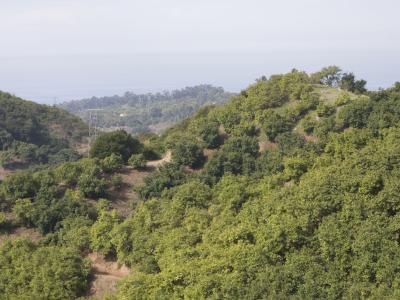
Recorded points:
(156,163)
(106,275)
(123,198)
(264,145)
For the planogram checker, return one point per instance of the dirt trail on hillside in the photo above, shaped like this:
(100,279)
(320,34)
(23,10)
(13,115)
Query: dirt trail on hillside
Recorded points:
(124,197)
(106,275)
(156,163)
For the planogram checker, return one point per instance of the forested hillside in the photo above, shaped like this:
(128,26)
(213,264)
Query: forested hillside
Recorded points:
(140,113)
(288,191)
(34,133)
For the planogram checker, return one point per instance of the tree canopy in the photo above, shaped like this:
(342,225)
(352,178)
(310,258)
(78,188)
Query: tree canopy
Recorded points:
(118,142)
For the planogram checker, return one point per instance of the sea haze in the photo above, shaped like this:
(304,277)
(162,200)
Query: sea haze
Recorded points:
(61,78)
(53,51)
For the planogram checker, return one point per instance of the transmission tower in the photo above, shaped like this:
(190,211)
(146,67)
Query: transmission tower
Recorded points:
(93,124)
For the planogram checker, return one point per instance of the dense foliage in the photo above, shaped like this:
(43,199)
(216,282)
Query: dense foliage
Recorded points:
(118,143)
(28,271)
(297,197)
(148,112)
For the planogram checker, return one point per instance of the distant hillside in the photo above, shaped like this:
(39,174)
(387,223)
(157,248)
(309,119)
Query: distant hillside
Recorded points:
(148,112)
(34,133)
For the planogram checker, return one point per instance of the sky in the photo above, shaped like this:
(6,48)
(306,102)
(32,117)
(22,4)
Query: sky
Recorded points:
(57,50)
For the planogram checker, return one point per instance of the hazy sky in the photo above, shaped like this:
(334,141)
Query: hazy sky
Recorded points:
(68,49)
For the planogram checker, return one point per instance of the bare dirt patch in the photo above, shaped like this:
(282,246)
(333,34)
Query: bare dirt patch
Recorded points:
(310,138)
(106,274)
(156,163)
(16,164)
(222,133)
(264,145)
(208,153)
(4,173)
(123,199)
(21,232)
(82,148)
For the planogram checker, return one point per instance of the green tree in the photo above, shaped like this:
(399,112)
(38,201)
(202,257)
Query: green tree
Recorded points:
(29,271)
(349,83)
(3,220)
(19,185)
(188,153)
(101,232)
(74,232)
(137,161)
(112,163)
(209,133)
(167,176)
(356,113)
(275,124)
(91,184)
(330,76)
(117,142)
(116,181)
(308,124)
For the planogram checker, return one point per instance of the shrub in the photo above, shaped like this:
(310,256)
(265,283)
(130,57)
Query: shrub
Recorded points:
(349,83)
(166,177)
(152,152)
(289,142)
(75,233)
(271,162)
(29,271)
(91,184)
(275,124)
(324,110)
(19,185)
(137,161)
(118,142)
(69,172)
(309,123)
(65,155)
(236,156)
(210,135)
(101,232)
(23,211)
(356,113)
(46,212)
(188,153)
(324,127)
(295,167)
(342,99)
(103,204)
(116,181)
(112,163)
(3,219)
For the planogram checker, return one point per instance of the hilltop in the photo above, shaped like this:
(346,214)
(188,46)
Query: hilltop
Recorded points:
(31,133)
(141,113)
(288,190)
